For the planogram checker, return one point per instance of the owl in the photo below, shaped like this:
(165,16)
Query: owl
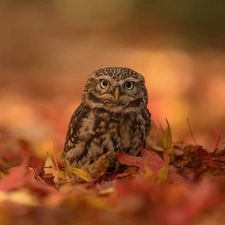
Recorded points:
(113,117)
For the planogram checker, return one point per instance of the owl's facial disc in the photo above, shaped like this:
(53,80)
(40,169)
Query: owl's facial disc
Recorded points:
(115,93)
(104,84)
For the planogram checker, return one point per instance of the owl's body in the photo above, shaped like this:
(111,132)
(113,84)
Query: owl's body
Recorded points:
(113,117)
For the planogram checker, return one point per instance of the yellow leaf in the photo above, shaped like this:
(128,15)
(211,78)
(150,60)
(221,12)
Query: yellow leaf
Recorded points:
(94,170)
(100,203)
(107,191)
(148,172)
(49,168)
(168,142)
(49,165)
(22,196)
(83,174)
(162,174)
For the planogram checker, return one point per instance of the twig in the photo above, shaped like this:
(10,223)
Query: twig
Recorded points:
(191,132)
(217,143)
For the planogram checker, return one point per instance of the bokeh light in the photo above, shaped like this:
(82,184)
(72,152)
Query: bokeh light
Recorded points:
(48,49)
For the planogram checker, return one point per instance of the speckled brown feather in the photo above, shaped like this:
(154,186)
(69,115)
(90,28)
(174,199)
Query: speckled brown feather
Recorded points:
(100,124)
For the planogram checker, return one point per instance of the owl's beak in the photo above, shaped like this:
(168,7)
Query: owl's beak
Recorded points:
(116,93)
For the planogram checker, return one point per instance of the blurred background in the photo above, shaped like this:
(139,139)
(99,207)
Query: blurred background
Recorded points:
(48,49)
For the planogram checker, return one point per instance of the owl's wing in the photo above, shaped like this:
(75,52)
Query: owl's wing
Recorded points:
(73,133)
(148,124)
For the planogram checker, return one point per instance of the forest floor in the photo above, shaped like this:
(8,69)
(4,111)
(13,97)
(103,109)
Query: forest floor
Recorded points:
(168,184)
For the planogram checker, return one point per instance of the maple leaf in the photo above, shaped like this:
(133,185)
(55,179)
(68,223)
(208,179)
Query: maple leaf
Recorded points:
(26,151)
(168,141)
(151,163)
(130,160)
(15,179)
(150,159)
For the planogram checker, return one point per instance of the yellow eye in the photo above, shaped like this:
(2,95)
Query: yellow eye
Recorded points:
(104,83)
(129,85)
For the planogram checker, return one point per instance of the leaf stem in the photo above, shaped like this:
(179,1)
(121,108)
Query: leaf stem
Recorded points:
(191,132)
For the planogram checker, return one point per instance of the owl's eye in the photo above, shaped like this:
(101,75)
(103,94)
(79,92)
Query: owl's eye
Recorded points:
(129,85)
(104,83)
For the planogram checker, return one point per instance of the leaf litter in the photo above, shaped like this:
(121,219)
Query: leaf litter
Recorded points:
(157,187)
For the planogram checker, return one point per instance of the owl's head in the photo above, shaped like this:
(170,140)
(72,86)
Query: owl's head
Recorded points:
(115,88)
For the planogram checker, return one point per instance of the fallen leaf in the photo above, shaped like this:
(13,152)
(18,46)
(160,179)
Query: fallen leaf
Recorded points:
(130,160)
(150,158)
(153,160)
(188,158)
(81,173)
(162,174)
(26,151)
(15,179)
(51,175)
(99,168)
(168,141)
(22,196)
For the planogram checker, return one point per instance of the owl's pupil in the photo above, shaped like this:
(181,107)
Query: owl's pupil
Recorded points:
(104,83)
(129,85)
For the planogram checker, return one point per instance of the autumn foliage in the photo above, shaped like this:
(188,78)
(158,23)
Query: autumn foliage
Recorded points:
(168,184)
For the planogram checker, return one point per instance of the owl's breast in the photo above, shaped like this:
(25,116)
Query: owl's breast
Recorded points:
(120,132)
(95,132)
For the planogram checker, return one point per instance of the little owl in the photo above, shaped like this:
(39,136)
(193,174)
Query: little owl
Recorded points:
(113,117)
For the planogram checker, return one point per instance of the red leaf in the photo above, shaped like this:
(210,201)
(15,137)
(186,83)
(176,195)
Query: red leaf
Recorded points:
(15,179)
(201,152)
(130,160)
(152,158)
(26,152)
(166,157)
